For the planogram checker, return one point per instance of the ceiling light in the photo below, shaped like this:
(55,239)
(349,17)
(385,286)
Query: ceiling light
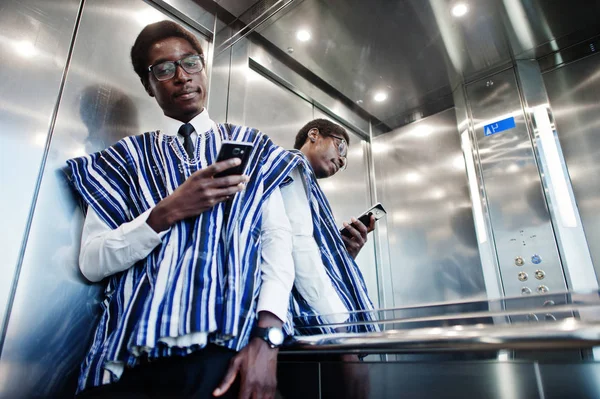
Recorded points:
(460,9)
(303,35)
(380,96)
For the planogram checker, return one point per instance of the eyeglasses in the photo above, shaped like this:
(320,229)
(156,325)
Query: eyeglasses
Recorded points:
(166,70)
(342,149)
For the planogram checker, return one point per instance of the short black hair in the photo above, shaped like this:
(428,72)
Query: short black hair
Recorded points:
(153,33)
(326,128)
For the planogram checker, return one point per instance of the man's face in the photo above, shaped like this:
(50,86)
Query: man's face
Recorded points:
(322,153)
(183,96)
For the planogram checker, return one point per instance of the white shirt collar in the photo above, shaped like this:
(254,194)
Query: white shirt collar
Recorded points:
(201,122)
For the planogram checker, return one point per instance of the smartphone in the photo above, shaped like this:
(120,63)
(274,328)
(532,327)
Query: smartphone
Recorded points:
(376,210)
(234,149)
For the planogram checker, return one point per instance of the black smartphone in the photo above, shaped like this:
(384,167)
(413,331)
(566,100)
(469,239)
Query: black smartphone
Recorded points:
(234,149)
(376,210)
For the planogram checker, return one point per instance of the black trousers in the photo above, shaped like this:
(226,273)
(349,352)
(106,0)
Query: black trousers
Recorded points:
(192,376)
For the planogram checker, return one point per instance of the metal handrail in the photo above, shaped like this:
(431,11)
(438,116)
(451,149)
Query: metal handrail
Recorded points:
(566,334)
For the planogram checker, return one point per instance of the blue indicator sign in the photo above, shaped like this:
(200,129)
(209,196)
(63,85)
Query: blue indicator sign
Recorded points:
(499,126)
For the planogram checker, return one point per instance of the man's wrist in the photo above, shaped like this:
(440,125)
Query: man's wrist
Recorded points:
(161,218)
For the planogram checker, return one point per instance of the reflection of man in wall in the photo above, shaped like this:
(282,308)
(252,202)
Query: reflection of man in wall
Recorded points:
(108,114)
(188,304)
(329,286)
(328,281)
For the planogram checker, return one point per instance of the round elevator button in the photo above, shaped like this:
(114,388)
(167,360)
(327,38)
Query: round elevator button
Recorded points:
(522,276)
(519,261)
(540,274)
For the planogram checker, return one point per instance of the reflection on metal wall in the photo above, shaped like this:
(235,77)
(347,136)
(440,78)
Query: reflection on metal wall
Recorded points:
(349,194)
(520,221)
(574,92)
(421,181)
(272,109)
(258,102)
(35,38)
(568,229)
(54,308)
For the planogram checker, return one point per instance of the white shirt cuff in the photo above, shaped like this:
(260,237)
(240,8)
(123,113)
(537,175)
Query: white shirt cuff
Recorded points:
(142,238)
(273,298)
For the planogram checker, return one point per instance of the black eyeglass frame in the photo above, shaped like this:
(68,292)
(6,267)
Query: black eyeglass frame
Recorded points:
(176,64)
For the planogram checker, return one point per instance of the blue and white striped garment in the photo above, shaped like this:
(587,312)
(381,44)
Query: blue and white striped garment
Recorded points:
(344,273)
(205,276)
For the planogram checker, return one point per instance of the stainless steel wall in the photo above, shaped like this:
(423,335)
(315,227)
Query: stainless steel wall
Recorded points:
(574,92)
(421,181)
(35,39)
(53,310)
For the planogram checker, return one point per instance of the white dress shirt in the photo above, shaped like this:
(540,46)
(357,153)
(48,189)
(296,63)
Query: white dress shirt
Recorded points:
(312,281)
(105,251)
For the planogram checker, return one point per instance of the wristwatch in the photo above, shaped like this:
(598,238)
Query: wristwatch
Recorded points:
(271,335)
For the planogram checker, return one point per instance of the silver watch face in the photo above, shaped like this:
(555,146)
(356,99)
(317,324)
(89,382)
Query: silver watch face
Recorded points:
(275,336)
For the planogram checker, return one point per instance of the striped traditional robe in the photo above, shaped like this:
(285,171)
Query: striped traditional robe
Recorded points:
(205,276)
(345,275)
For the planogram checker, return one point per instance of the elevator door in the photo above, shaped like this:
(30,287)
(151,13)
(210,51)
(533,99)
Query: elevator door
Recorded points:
(421,180)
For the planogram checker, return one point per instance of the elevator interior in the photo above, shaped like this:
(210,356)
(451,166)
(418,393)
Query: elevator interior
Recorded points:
(477,132)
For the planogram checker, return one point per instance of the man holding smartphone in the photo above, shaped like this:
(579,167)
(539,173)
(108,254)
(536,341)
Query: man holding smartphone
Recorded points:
(328,282)
(198,268)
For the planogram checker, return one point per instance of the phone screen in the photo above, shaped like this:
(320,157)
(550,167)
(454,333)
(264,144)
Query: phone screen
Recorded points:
(230,149)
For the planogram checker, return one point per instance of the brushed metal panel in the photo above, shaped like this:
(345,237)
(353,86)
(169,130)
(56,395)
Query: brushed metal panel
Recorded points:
(421,181)
(192,10)
(566,221)
(576,381)
(54,309)
(573,91)
(538,27)
(35,39)
(433,380)
(335,106)
(272,109)
(487,250)
(218,90)
(518,212)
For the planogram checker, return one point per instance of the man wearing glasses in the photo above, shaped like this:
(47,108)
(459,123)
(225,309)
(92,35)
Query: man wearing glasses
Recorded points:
(198,268)
(328,282)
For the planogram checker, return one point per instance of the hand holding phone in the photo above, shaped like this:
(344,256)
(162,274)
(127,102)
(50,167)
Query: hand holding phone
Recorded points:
(376,210)
(234,149)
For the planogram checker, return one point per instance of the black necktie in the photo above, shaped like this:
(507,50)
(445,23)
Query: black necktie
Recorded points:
(186,131)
